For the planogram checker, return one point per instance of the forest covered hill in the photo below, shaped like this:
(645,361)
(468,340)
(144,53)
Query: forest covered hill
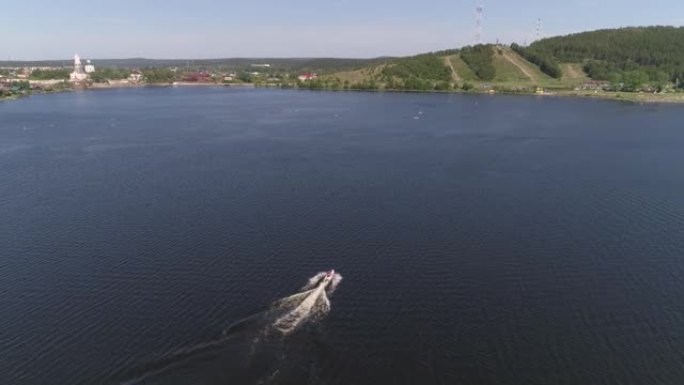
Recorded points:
(650,54)
(630,59)
(480,67)
(625,59)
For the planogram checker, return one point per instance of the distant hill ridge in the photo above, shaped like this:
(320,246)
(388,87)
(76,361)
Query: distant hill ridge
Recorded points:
(609,52)
(479,67)
(629,59)
(278,63)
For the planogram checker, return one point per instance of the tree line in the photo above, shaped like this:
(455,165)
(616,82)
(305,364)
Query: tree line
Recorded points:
(480,59)
(158,75)
(546,63)
(49,74)
(426,72)
(102,75)
(429,67)
(649,52)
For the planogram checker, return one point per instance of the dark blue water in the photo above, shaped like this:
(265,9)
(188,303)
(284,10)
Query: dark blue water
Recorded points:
(482,239)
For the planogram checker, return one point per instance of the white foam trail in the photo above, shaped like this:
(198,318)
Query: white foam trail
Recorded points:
(315,303)
(313,281)
(309,305)
(257,333)
(333,285)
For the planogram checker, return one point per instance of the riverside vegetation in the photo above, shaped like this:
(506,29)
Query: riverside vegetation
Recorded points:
(638,63)
(614,63)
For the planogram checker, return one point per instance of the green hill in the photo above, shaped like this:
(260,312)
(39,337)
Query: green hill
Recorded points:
(641,54)
(426,72)
(511,67)
(461,69)
(626,59)
(480,67)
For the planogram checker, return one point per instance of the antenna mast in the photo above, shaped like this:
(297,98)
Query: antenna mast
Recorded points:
(479,16)
(539,26)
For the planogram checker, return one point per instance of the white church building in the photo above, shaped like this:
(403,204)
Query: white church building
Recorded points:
(80,73)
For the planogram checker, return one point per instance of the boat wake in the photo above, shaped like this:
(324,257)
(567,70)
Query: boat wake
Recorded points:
(310,305)
(274,346)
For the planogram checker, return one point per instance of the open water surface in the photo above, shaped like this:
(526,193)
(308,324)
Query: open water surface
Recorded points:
(482,239)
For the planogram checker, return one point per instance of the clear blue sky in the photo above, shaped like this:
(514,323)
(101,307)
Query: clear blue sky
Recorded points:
(56,29)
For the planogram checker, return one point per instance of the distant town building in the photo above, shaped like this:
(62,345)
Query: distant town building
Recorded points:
(78,74)
(307,76)
(199,77)
(261,65)
(89,67)
(135,77)
(41,68)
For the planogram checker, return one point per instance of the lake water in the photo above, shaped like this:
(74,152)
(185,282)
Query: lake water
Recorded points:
(482,239)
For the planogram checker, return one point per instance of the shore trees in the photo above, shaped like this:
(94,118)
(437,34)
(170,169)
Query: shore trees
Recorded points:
(421,67)
(158,75)
(614,52)
(40,74)
(425,72)
(479,59)
(546,63)
(101,75)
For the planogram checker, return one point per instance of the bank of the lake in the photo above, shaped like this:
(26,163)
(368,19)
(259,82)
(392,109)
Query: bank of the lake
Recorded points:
(638,97)
(32,92)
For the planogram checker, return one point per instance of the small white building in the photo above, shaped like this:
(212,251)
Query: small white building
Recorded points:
(307,76)
(78,74)
(135,77)
(89,67)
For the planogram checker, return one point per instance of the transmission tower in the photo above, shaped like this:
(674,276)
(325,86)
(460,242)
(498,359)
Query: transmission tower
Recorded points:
(539,27)
(479,15)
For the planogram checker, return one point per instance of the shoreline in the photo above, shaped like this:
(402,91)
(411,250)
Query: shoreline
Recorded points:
(633,97)
(636,97)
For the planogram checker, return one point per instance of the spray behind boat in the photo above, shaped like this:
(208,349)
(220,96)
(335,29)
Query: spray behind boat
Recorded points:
(310,305)
(277,345)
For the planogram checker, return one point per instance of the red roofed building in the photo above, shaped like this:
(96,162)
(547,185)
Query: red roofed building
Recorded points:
(199,77)
(307,76)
